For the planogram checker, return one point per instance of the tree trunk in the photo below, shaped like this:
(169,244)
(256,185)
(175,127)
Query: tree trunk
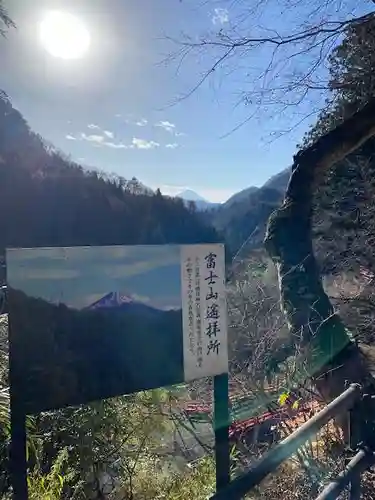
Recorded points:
(328,352)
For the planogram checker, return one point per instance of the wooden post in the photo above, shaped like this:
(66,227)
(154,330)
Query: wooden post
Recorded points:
(221,426)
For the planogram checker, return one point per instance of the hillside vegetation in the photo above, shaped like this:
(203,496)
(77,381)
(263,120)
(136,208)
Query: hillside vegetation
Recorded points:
(243,222)
(50,200)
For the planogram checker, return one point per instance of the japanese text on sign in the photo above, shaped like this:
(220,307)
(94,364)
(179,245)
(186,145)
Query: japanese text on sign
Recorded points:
(198,312)
(204,310)
(212,306)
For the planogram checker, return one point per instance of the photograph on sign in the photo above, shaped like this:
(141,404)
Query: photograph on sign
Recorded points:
(87,323)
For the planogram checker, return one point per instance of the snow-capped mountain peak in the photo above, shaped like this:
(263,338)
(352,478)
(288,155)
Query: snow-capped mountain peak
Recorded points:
(190,195)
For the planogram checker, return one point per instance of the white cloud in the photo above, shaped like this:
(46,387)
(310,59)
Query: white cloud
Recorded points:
(102,140)
(221,16)
(92,126)
(140,298)
(98,139)
(70,137)
(45,274)
(118,115)
(166,125)
(142,122)
(115,145)
(143,144)
(173,145)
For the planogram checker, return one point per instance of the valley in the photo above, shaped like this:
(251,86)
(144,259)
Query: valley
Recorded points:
(299,329)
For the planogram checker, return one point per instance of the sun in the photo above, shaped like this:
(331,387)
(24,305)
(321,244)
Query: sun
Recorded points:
(64,35)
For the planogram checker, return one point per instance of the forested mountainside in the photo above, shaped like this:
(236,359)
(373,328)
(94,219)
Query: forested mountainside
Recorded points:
(48,200)
(240,196)
(54,201)
(247,219)
(243,218)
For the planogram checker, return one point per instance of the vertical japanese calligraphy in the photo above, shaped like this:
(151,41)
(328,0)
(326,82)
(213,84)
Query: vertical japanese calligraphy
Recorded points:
(212,306)
(198,317)
(189,272)
(204,310)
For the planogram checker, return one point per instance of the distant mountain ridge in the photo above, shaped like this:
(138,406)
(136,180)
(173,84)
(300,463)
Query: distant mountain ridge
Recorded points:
(279,181)
(120,301)
(111,299)
(190,195)
(54,201)
(242,219)
(49,200)
(201,203)
(240,196)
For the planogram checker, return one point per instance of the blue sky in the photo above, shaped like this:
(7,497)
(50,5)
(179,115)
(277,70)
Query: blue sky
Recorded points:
(111,109)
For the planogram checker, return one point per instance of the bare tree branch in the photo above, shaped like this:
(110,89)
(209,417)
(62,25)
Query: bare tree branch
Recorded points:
(5,20)
(290,63)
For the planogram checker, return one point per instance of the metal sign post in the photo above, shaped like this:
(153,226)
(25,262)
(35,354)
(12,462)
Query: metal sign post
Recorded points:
(17,452)
(18,458)
(221,426)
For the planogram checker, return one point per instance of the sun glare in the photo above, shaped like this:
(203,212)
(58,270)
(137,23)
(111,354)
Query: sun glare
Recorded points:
(64,35)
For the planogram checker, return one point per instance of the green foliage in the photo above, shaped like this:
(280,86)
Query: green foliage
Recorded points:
(197,481)
(98,435)
(48,486)
(283,398)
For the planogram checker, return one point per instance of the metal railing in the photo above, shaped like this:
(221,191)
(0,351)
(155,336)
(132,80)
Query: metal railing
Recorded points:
(237,488)
(359,463)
